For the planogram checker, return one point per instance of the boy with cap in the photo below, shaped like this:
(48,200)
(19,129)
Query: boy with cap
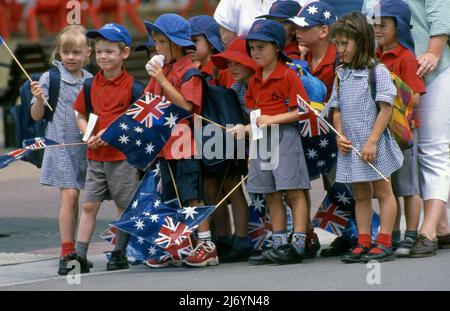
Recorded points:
(274,89)
(396,51)
(109,176)
(172,35)
(312,30)
(281,11)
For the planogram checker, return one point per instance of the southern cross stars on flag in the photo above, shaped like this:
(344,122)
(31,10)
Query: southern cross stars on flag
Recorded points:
(336,210)
(163,227)
(259,228)
(143,130)
(28,145)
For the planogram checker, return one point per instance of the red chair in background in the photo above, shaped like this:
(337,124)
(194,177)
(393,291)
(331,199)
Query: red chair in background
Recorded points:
(206,5)
(4,27)
(51,13)
(115,8)
(10,17)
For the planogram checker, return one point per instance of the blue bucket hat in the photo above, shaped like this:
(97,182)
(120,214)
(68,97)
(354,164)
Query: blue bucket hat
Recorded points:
(270,31)
(400,11)
(283,9)
(314,14)
(207,26)
(174,27)
(112,32)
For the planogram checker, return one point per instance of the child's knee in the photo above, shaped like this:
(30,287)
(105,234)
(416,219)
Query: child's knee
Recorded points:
(90,208)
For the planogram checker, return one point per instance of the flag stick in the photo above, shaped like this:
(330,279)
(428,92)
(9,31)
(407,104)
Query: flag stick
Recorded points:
(212,122)
(232,190)
(339,134)
(174,184)
(18,63)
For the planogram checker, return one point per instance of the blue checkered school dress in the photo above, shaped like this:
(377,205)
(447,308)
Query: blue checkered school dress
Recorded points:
(64,167)
(359,113)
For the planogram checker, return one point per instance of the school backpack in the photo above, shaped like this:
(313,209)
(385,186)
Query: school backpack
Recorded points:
(401,123)
(26,127)
(316,89)
(136,91)
(220,105)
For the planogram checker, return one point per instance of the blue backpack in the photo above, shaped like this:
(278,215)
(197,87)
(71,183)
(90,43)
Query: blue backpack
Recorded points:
(25,126)
(316,89)
(221,105)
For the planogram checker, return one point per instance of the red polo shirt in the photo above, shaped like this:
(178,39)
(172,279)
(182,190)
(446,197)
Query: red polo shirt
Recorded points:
(403,63)
(292,50)
(222,79)
(192,92)
(109,100)
(275,94)
(325,70)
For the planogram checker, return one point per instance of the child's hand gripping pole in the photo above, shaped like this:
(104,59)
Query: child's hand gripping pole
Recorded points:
(2,42)
(339,134)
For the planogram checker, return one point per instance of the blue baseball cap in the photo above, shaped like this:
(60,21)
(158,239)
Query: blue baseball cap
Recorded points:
(314,14)
(400,11)
(112,32)
(148,44)
(283,9)
(270,31)
(174,27)
(207,26)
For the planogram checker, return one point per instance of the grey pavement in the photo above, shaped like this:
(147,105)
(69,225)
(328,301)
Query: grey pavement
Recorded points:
(28,256)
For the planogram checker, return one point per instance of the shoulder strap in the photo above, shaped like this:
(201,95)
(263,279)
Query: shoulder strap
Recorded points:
(53,91)
(373,80)
(136,91)
(87,85)
(191,73)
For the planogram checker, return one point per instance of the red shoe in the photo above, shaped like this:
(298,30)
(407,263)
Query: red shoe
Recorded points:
(203,255)
(163,263)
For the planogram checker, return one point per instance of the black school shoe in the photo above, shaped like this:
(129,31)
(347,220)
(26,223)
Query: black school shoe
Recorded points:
(340,246)
(386,254)
(118,261)
(284,255)
(353,256)
(312,247)
(235,255)
(64,261)
(260,257)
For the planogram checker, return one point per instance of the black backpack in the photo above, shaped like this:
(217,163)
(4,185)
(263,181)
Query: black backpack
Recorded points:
(26,127)
(222,106)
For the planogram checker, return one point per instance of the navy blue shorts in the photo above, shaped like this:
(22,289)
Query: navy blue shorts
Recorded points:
(188,178)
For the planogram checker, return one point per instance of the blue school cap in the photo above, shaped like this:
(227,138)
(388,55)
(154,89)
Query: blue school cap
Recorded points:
(207,26)
(147,44)
(283,9)
(112,32)
(400,11)
(270,31)
(314,14)
(174,27)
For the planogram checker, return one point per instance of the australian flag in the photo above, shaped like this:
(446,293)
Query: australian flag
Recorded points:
(161,228)
(28,146)
(336,210)
(319,143)
(143,130)
(259,228)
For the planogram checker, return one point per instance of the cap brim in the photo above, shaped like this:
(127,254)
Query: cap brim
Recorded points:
(300,22)
(259,37)
(273,16)
(95,34)
(178,41)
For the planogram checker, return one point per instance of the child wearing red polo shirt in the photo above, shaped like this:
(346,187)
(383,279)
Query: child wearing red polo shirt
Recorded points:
(109,176)
(274,89)
(312,30)
(172,36)
(282,11)
(396,51)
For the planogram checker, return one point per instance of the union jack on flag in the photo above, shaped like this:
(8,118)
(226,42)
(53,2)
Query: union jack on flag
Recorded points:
(331,217)
(172,234)
(28,145)
(147,108)
(109,235)
(310,124)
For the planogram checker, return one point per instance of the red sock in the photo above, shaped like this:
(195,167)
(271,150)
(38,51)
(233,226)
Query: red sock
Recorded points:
(382,239)
(364,240)
(67,248)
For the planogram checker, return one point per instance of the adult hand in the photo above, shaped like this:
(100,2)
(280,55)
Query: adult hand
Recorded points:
(427,63)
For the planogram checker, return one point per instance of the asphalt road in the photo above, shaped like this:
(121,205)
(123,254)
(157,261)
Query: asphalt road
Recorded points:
(28,214)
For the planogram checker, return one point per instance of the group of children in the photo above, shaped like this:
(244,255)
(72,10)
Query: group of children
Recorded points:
(254,66)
